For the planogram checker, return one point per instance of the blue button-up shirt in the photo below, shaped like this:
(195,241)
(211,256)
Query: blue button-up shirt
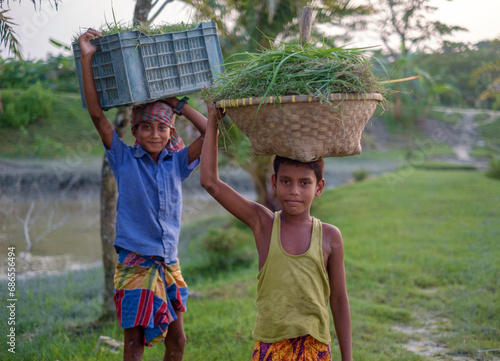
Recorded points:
(149,198)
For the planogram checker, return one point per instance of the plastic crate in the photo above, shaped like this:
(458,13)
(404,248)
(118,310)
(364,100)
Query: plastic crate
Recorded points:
(133,68)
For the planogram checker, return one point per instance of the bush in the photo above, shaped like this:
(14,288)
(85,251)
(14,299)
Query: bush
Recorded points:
(26,107)
(360,174)
(46,146)
(494,171)
(228,248)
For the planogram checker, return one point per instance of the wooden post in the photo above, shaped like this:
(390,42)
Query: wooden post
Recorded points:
(306,24)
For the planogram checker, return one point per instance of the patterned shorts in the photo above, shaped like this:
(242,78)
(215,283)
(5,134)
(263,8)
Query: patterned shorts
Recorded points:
(303,348)
(147,293)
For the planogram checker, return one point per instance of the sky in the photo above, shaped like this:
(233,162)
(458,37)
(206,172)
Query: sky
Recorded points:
(35,27)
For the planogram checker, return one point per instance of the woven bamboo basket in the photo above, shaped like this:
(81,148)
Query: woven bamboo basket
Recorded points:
(301,127)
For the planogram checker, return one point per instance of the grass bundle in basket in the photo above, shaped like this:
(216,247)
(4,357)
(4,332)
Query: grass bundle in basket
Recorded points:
(301,102)
(290,69)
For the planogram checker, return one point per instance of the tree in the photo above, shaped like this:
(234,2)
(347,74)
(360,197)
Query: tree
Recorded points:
(489,73)
(462,74)
(249,25)
(404,28)
(7,34)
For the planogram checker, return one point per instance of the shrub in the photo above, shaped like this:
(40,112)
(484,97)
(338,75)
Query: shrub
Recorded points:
(481,117)
(228,248)
(494,171)
(26,107)
(360,174)
(46,146)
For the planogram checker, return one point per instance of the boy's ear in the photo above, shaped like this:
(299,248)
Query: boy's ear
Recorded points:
(320,186)
(134,131)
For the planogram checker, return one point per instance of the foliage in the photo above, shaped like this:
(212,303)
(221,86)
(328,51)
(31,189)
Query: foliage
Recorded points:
(226,249)
(448,117)
(360,174)
(490,73)
(490,134)
(411,99)
(222,249)
(56,73)
(407,29)
(8,35)
(242,24)
(29,106)
(67,129)
(462,71)
(406,25)
(290,69)
(45,146)
(56,2)
(494,170)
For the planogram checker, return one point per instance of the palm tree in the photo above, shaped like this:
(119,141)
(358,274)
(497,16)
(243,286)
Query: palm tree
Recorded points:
(8,35)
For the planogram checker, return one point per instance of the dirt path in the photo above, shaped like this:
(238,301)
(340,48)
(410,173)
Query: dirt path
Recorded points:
(423,341)
(463,135)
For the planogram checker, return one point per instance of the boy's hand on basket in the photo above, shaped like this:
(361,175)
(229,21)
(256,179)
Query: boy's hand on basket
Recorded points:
(215,114)
(86,47)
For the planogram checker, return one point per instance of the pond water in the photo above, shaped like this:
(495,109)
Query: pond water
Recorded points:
(64,224)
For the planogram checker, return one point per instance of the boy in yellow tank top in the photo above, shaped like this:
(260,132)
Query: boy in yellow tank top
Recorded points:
(301,260)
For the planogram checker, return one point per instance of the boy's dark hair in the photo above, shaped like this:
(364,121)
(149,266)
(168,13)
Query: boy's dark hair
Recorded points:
(318,166)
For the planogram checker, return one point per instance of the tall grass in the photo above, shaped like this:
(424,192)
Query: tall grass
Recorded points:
(423,252)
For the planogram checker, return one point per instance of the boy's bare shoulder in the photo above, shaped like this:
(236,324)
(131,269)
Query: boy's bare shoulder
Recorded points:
(332,235)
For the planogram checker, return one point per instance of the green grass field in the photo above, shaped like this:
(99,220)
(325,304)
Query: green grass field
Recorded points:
(422,266)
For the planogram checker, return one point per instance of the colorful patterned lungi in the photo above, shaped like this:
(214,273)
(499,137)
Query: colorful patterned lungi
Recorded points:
(303,348)
(147,293)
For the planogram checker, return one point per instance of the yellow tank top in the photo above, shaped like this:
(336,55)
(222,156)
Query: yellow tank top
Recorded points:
(293,291)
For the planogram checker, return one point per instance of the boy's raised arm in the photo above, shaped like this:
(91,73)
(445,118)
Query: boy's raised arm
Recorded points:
(100,121)
(245,210)
(198,120)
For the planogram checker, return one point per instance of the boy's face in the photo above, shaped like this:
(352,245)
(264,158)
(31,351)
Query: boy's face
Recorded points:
(296,186)
(152,136)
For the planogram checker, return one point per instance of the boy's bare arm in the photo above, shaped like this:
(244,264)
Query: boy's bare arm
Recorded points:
(100,121)
(339,301)
(249,212)
(198,120)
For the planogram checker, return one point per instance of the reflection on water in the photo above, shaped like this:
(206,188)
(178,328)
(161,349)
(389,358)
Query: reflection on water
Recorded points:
(76,242)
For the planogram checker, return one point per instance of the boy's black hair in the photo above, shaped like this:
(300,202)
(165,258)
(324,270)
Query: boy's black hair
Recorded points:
(318,166)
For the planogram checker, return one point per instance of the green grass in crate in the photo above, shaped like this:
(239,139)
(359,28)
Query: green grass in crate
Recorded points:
(148,29)
(120,27)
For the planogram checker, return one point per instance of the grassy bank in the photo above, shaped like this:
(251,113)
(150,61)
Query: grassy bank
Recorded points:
(422,265)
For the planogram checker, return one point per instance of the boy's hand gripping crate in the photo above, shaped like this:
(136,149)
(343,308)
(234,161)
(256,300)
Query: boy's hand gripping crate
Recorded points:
(133,68)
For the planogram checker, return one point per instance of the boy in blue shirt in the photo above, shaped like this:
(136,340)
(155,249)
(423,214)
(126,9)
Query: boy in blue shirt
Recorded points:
(150,294)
